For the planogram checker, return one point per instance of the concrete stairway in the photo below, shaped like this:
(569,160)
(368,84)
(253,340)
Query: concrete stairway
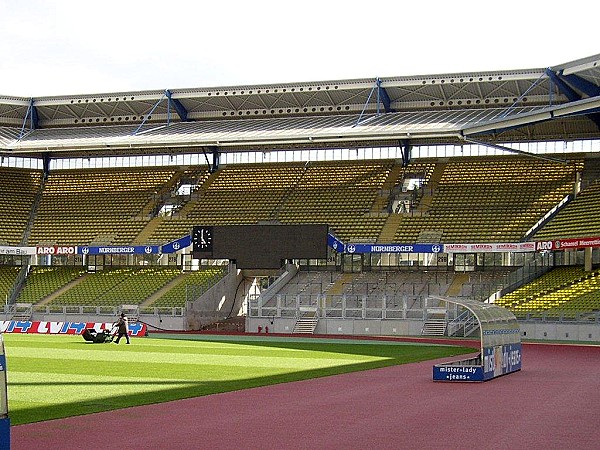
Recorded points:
(457,283)
(434,328)
(388,232)
(306,324)
(147,231)
(427,199)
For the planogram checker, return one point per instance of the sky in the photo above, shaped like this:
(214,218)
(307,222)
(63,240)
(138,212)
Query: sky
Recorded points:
(70,47)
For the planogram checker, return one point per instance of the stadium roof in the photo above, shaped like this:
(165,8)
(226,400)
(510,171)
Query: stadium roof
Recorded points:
(556,103)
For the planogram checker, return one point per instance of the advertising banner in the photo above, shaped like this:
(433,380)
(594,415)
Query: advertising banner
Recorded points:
(394,248)
(6,250)
(15,326)
(335,243)
(119,250)
(565,244)
(457,373)
(3,396)
(56,250)
(175,246)
(497,360)
(501,359)
(490,248)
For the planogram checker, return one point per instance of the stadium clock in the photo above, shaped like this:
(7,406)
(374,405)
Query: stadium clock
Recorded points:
(202,239)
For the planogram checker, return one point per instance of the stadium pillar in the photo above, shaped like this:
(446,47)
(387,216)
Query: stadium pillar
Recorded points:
(216,159)
(213,165)
(46,162)
(587,259)
(405,148)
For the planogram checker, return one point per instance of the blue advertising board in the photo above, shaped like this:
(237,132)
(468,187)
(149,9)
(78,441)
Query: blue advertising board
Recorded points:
(496,361)
(442,372)
(335,243)
(119,250)
(179,244)
(501,359)
(393,248)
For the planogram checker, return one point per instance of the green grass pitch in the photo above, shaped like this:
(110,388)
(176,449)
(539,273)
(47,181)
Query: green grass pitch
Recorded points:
(54,376)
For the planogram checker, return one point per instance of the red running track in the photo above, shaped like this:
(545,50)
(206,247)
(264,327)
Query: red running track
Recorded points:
(553,403)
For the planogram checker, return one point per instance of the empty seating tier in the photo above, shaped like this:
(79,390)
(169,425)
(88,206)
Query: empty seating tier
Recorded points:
(78,206)
(490,200)
(578,219)
(8,276)
(189,287)
(42,281)
(340,194)
(18,190)
(562,289)
(116,286)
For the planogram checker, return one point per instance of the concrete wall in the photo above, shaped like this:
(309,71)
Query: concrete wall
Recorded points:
(355,327)
(560,331)
(350,327)
(290,271)
(216,303)
(408,327)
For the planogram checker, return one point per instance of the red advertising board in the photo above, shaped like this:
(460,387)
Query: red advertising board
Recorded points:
(15,326)
(565,244)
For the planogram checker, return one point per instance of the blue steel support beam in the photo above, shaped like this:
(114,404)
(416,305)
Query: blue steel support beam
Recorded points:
(595,117)
(563,87)
(35,119)
(216,159)
(216,156)
(564,83)
(31,117)
(405,148)
(384,96)
(581,84)
(179,108)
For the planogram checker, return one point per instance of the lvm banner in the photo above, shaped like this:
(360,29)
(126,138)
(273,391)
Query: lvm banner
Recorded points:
(15,326)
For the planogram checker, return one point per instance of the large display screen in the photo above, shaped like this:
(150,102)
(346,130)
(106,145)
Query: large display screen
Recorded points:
(263,246)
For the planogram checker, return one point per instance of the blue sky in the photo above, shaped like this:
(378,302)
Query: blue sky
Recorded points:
(73,47)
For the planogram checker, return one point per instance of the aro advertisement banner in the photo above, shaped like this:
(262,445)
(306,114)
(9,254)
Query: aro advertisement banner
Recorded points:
(56,250)
(565,244)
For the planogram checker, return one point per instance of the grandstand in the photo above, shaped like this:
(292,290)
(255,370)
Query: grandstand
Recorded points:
(19,195)
(563,290)
(100,193)
(43,281)
(123,196)
(197,282)
(578,218)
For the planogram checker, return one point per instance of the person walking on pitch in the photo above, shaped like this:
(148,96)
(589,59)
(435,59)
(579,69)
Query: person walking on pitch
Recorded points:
(122,328)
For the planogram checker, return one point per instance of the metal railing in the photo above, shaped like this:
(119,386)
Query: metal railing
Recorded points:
(387,307)
(340,307)
(93,310)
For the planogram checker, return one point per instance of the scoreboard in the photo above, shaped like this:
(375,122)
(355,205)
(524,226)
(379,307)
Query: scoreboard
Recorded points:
(260,246)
